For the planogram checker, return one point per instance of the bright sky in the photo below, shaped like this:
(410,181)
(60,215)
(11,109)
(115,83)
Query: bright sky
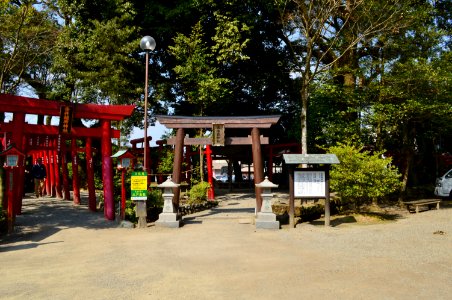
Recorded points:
(155,131)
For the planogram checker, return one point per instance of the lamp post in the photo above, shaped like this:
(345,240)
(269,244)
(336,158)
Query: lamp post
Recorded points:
(147,44)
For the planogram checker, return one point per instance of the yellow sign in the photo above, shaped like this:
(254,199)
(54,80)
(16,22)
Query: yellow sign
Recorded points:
(138,182)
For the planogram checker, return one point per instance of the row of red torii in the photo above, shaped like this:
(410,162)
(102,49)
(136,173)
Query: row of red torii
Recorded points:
(49,143)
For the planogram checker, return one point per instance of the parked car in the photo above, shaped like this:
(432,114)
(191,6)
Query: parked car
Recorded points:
(443,186)
(225,178)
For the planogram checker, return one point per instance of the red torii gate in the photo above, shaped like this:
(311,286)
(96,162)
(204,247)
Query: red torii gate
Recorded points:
(46,141)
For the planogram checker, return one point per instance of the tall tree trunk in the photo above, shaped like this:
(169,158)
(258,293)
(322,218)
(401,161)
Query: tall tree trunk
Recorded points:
(405,175)
(303,116)
(408,156)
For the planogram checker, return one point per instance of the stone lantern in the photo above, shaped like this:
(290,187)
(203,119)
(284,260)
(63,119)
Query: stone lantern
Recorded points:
(266,219)
(168,218)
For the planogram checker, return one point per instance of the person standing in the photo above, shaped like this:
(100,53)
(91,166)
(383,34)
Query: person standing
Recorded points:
(39,175)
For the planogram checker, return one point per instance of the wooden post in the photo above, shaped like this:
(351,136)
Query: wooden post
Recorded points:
(75,180)
(230,175)
(327,195)
(177,166)
(90,175)
(291,198)
(107,171)
(258,167)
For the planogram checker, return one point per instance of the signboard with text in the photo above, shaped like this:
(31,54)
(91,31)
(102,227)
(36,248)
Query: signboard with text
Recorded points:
(309,183)
(218,135)
(138,182)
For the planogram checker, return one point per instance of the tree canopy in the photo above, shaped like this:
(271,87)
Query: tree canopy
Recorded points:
(374,73)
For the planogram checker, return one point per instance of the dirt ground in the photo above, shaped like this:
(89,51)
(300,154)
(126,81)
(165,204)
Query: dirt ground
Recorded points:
(61,251)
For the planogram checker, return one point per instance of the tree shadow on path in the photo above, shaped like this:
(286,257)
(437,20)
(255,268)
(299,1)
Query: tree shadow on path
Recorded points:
(45,217)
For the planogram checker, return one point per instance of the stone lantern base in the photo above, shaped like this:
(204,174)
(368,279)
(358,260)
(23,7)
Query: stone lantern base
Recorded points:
(266,220)
(168,220)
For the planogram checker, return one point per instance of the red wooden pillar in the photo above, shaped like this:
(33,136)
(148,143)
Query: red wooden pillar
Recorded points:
(20,180)
(75,179)
(211,191)
(10,199)
(51,174)
(17,140)
(43,158)
(177,165)
(123,194)
(107,171)
(258,166)
(5,196)
(64,170)
(46,165)
(18,187)
(56,167)
(90,175)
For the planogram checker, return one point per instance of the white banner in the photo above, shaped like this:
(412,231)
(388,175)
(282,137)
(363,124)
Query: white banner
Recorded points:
(309,184)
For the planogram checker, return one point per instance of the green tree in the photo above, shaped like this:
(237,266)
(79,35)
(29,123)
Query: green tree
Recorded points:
(327,35)
(197,70)
(27,38)
(362,177)
(94,50)
(414,109)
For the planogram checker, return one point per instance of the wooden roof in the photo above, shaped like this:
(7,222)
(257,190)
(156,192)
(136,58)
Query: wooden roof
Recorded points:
(313,159)
(12,103)
(229,122)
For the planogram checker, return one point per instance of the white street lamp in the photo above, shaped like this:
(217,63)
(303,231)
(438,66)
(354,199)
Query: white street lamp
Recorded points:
(147,44)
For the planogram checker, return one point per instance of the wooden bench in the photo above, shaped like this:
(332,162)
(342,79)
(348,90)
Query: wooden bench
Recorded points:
(417,203)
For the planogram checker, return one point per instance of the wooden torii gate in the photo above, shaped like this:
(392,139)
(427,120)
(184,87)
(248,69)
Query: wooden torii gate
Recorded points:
(47,141)
(219,138)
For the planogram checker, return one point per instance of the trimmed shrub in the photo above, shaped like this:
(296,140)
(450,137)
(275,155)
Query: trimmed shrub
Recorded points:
(362,177)
(198,193)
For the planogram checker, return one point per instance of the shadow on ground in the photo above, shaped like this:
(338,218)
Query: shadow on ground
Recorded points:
(44,217)
(361,218)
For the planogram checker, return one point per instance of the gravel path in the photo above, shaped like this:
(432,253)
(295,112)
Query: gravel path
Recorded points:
(60,251)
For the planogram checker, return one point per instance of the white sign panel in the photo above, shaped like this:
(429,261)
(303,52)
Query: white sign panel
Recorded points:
(309,184)
(12,160)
